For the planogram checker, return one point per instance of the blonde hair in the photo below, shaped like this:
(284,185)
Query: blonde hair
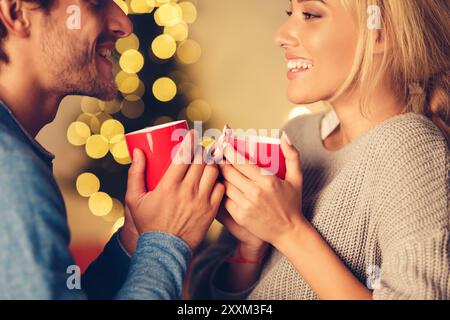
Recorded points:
(416,60)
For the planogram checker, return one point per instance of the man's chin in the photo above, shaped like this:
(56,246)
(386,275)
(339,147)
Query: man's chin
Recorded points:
(107,95)
(104,93)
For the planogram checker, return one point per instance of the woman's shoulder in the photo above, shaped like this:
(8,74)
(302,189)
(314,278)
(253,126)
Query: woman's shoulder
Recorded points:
(411,133)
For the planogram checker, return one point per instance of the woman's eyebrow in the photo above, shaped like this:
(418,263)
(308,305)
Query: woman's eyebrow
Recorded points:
(323,1)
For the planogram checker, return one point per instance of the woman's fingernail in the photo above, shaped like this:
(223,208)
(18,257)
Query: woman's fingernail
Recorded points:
(286,138)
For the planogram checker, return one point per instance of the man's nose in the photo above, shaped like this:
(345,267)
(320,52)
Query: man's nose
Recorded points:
(118,22)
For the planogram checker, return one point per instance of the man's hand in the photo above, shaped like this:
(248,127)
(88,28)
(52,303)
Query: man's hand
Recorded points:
(186,200)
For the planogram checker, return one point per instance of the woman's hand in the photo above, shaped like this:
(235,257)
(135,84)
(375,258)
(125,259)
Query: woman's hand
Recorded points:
(266,206)
(251,247)
(184,203)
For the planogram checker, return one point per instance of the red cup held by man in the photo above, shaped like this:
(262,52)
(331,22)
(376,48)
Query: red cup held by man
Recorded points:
(158,144)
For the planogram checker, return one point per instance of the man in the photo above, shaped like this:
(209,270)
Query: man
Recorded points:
(42,61)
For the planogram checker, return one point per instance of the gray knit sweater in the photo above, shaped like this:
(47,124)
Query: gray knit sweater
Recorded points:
(381,203)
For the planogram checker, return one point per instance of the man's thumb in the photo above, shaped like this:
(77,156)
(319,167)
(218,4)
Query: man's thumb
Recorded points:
(136,176)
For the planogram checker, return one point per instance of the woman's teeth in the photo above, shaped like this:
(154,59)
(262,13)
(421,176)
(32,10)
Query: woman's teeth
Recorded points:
(105,53)
(296,65)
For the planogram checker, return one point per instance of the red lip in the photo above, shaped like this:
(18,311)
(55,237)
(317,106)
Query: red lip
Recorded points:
(290,56)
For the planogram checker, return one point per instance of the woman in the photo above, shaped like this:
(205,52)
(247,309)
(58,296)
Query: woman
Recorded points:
(363,213)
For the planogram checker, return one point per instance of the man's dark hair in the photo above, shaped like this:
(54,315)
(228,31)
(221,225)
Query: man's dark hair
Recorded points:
(42,4)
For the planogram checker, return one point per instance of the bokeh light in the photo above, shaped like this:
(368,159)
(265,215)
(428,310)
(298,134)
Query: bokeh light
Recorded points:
(164,89)
(164,46)
(87,184)
(78,133)
(100,204)
(128,43)
(189,11)
(178,32)
(131,61)
(142,6)
(199,110)
(112,128)
(133,109)
(189,52)
(97,146)
(116,212)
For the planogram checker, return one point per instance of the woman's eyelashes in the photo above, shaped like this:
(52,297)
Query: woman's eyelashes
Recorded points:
(306,15)
(310,16)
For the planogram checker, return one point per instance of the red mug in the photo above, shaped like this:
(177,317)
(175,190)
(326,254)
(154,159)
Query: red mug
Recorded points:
(263,151)
(158,144)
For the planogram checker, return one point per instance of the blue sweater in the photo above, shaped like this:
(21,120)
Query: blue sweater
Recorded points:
(34,237)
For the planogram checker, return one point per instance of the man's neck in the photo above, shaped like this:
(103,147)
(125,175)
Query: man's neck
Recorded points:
(32,106)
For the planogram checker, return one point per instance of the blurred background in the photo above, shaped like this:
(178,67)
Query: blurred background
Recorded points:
(201,60)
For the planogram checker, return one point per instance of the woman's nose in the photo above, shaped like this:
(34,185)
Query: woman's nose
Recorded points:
(287,35)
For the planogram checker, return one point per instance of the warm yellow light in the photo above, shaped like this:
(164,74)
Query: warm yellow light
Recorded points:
(178,32)
(206,142)
(189,11)
(161,2)
(111,128)
(118,224)
(136,94)
(189,52)
(130,42)
(142,6)
(100,204)
(85,118)
(97,146)
(87,184)
(164,46)
(162,120)
(91,106)
(123,161)
(189,90)
(168,14)
(131,61)
(112,107)
(199,110)
(164,89)
(120,150)
(116,139)
(78,133)
(214,231)
(133,109)
(116,212)
(122,5)
(127,82)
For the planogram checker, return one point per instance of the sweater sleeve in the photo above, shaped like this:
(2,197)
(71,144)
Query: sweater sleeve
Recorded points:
(413,228)
(157,269)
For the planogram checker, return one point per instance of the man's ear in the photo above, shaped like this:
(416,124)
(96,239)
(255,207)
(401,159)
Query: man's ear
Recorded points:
(15,17)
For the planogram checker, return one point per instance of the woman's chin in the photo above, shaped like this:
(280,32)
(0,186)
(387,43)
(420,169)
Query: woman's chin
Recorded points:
(298,97)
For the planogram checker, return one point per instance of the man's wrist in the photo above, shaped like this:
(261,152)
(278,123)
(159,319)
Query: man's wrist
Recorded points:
(128,240)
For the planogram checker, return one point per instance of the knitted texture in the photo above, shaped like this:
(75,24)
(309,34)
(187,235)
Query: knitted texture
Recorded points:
(380,202)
